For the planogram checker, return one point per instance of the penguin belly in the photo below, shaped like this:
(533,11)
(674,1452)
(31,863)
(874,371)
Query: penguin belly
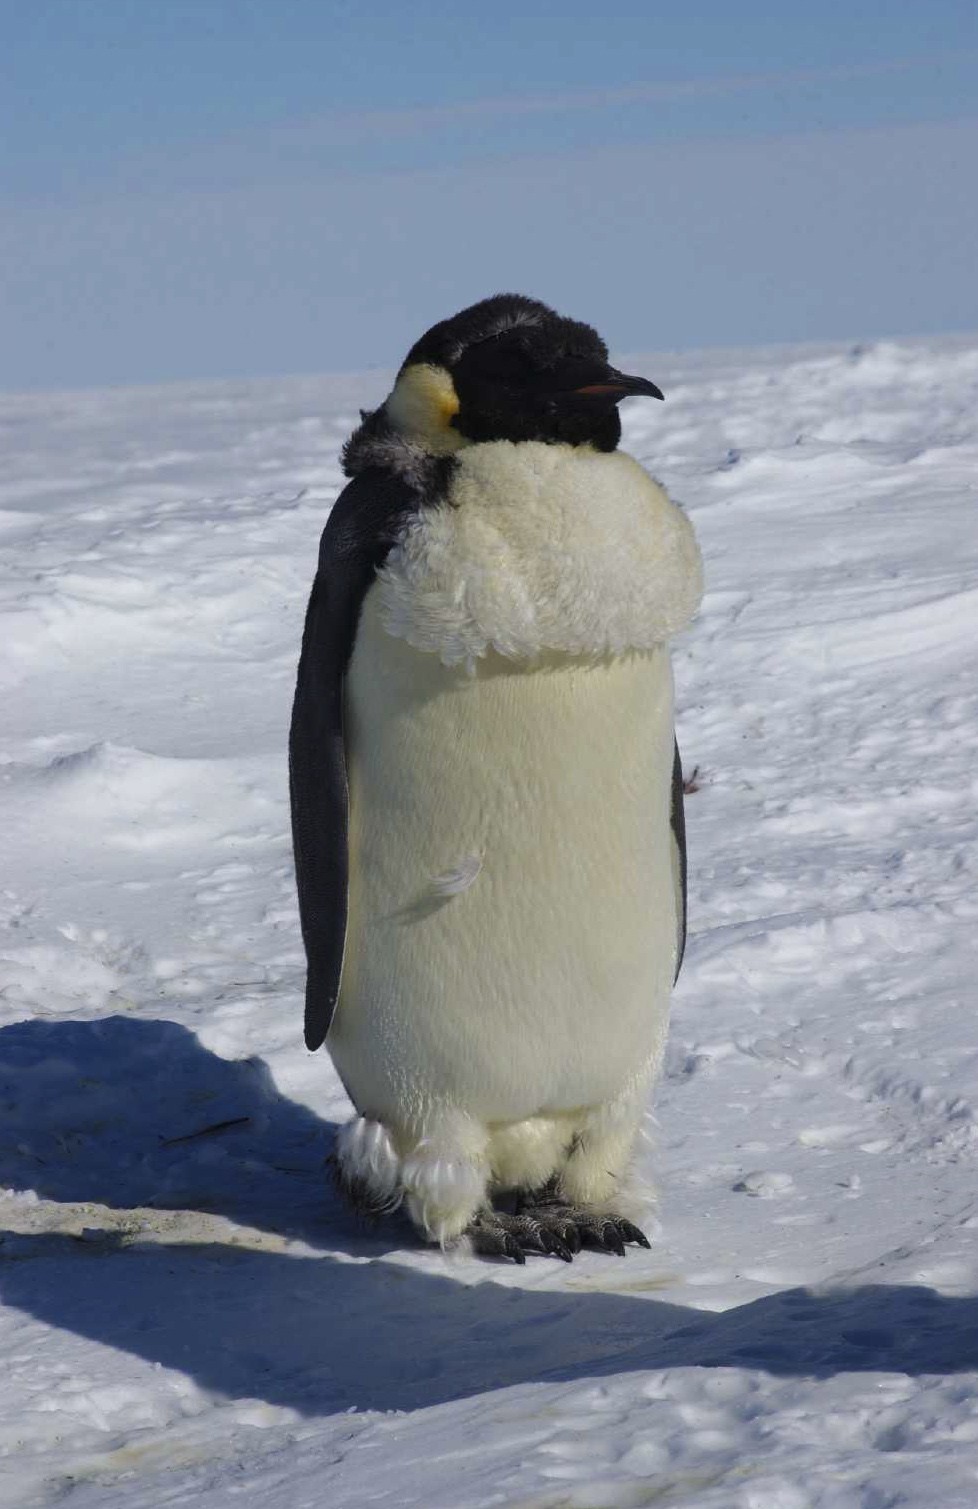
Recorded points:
(511,938)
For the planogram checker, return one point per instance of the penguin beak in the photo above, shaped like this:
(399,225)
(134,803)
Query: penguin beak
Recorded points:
(617,385)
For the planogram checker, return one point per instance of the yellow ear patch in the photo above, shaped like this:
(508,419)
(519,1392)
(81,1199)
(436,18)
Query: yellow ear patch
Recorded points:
(422,406)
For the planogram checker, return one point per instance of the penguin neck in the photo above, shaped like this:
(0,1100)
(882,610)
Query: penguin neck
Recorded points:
(377,444)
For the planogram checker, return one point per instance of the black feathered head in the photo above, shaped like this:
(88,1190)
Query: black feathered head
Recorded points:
(508,368)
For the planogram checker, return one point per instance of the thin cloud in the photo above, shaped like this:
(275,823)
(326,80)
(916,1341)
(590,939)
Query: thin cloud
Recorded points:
(346,128)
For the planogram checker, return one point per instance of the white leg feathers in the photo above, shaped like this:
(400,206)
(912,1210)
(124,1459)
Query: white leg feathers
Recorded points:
(368,1163)
(445,1175)
(443,1194)
(442,1175)
(600,1171)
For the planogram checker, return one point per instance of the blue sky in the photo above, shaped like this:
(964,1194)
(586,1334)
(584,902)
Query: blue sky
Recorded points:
(205,188)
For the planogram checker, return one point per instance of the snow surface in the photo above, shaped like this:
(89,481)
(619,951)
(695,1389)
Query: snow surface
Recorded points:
(190,1318)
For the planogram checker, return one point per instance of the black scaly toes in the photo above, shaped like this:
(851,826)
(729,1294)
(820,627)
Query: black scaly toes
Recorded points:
(602,1231)
(552,1229)
(605,1232)
(495,1234)
(490,1237)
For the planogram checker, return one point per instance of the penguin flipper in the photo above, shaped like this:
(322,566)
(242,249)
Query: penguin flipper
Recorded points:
(359,533)
(677,820)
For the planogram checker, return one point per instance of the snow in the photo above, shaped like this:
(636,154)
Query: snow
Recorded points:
(189,1317)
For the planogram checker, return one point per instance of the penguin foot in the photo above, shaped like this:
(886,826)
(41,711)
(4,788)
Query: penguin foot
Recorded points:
(494,1233)
(551,1228)
(599,1229)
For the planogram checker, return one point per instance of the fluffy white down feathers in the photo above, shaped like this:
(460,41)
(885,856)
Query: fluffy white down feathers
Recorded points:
(551,547)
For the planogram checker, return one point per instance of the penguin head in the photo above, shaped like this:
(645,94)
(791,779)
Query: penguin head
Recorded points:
(510,368)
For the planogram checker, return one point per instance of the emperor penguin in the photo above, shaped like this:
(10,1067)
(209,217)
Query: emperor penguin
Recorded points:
(487,797)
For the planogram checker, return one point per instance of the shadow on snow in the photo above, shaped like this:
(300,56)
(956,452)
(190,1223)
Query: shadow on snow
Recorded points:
(85,1108)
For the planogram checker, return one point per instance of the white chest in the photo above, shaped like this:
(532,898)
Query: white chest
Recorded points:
(544,981)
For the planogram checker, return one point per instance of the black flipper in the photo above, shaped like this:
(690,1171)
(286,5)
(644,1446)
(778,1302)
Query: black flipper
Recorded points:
(678,822)
(359,533)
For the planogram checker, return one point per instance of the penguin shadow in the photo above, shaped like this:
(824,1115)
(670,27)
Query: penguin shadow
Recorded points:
(132,1113)
(320,1334)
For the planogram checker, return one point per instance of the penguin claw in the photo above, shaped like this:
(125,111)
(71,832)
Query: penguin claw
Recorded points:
(557,1247)
(632,1233)
(611,1240)
(551,1229)
(571,1235)
(493,1237)
(610,1233)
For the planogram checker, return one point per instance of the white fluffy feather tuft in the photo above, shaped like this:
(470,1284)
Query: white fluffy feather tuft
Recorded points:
(546,548)
(443,1194)
(366,1156)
